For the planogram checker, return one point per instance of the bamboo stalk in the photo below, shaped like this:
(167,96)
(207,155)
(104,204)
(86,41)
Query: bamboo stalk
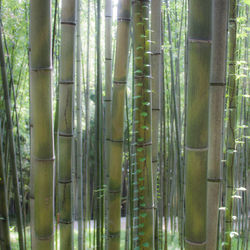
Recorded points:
(42,141)
(66,94)
(232,119)
(199,47)
(79,131)
(143,124)
(117,123)
(156,70)
(216,117)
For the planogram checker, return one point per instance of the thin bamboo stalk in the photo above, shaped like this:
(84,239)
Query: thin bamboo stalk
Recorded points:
(99,133)
(156,71)
(232,119)
(79,131)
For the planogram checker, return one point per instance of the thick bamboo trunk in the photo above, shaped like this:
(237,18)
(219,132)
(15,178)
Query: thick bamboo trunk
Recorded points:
(42,140)
(4,215)
(12,151)
(143,123)
(199,47)
(117,123)
(232,119)
(216,117)
(79,132)
(66,104)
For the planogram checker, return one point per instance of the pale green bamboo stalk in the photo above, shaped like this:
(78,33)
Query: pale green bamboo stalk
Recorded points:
(108,71)
(216,117)
(232,119)
(87,188)
(79,131)
(108,97)
(199,48)
(13,163)
(66,104)
(4,215)
(42,141)
(143,123)
(117,123)
(156,71)
(99,134)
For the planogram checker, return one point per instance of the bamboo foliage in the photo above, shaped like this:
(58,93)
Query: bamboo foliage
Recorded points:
(11,145)
(66,94)
(232,118)
(143,123)
(199,46)
(215,121)
(4,215)
(117,123)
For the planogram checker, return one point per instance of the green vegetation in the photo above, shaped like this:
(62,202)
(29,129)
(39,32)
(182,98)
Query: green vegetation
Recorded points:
(124,124)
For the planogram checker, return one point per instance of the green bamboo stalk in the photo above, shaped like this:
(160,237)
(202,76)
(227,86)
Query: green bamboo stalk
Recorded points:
(232,119)
(108,72)
(156,70)
(143,124)
(13,162)
(99,134)
(117,123)
(79,131)
(216,117)
(199,47)
(66,95)
(108,95)
(4,215)
(42,141)
(87,188)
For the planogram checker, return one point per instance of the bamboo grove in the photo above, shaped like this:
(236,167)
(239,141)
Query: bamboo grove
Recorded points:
(125,124)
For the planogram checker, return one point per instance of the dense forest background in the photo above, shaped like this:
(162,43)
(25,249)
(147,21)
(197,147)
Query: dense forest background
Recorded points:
(124,124)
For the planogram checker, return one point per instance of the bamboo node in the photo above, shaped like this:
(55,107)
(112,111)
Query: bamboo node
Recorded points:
(217,84)
(214,179)
(196,149)
(41,69)
(124,19)
(120,82)
(196,243)
(65,222)
(65,134)
(66,82)
(69,22)
(46,159)
(193,40)
(65,181)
